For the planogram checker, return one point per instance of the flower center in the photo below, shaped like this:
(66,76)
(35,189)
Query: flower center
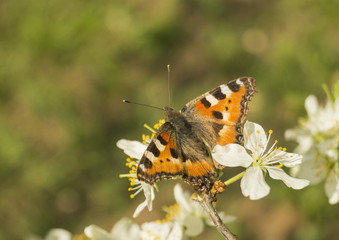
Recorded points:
(171,212)
(268,157)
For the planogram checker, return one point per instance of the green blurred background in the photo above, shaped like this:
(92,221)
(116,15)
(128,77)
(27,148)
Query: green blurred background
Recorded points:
(65,66)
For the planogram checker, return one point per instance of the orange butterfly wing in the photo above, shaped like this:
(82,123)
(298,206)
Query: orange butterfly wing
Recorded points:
(161,159)
(222,111)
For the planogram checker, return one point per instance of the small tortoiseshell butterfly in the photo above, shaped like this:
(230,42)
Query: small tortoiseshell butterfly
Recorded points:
(180,146)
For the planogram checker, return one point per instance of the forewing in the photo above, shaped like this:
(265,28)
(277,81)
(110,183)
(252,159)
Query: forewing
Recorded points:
(222,111)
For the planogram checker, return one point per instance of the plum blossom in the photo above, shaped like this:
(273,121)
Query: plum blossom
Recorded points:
(318,140)
(258,159)
(126,229)
(191,215)
(135,150)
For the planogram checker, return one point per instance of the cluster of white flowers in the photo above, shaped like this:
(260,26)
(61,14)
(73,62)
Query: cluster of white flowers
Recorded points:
(126,229)
(318,140)
(185,218)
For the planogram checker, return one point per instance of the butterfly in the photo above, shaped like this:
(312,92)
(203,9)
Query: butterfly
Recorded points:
(181,146)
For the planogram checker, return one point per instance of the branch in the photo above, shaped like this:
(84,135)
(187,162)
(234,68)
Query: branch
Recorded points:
(206,202)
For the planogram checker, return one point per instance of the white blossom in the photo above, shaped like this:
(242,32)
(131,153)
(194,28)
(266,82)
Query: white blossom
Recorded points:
(135,150)
(318,139)
(258,159)
(161,231)
(126,229)
(191,215)
(123,229)
(58,234)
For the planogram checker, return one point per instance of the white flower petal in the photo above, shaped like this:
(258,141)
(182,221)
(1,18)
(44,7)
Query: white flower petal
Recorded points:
(133,149)
(336,109)
(181,198)
(279,174)
(227,218)
(253,184)
(176,232)
(294,133)
(327,117)
(149,195)
(254,138)
(58,234)
(96,233)
(323,119)
(332,155)
(155,230)
(305,144)
(224,217)
(286,158)
(302,136)
(311,105)
(313,168)
(329,147)
(193,225)
(231,155)
(125,229)
(332,186)
(139,208)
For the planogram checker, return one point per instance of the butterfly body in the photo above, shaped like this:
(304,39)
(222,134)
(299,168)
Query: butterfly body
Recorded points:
(180,148)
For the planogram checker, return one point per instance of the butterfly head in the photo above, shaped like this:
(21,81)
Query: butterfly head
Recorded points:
(169,113)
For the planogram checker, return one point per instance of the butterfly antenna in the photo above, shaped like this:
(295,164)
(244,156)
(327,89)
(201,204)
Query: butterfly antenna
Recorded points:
(168,84)
(140,104)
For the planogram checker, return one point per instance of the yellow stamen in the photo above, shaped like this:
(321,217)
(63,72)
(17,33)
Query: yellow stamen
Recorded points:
(131,196)
(144,138)
(149,128)
(280,166)
(161,122)
(270,131)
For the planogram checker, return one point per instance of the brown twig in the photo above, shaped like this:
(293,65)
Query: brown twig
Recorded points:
(206,202)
